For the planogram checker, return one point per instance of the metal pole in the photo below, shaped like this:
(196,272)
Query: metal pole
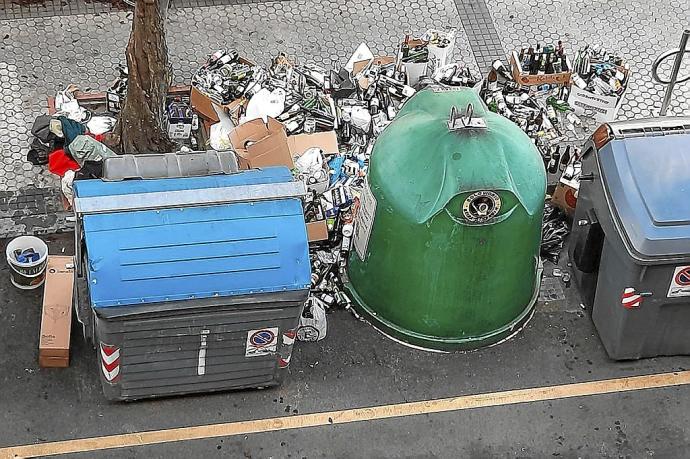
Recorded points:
(674,72)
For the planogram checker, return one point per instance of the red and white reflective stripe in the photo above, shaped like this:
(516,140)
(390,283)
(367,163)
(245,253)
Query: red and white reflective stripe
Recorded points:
(284,362)
(631,299)
(110,361)
(289,337)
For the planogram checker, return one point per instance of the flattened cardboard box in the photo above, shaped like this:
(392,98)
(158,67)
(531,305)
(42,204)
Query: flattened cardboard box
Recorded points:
(317,231)
(56,319)
(203,105)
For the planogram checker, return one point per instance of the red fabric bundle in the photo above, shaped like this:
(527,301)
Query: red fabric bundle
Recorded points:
(60,162)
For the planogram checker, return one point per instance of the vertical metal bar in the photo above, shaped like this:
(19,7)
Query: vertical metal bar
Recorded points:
(674,72)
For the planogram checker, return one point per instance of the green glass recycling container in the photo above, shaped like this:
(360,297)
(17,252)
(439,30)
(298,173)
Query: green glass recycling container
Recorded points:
(447,233)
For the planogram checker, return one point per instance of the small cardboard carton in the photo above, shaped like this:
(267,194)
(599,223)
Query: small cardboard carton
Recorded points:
(56,319)
(260,144)
(326,141)
(441,55)
(203,105)
(209,110)
(565,196)
(525,79)
(604,109)
(317,231)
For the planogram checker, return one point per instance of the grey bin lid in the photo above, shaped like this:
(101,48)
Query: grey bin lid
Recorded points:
(169,165)
(647,178)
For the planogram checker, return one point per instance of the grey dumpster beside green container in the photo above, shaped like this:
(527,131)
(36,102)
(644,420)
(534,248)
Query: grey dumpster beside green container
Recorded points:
(630,245)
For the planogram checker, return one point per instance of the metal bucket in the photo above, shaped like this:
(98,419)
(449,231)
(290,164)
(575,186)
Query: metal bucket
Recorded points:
(27,276)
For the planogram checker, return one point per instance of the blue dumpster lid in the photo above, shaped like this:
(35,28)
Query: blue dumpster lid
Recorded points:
(648,180)
(173,254)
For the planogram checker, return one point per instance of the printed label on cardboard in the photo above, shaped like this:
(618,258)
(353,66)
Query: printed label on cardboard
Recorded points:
(262,342)
(680,282)
(603,108)
(364,221)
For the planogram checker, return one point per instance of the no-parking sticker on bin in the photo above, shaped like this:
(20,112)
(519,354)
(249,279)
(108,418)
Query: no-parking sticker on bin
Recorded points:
(680,283)
(262,342)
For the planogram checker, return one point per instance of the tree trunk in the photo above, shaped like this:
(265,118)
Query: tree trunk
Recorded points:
(141,127)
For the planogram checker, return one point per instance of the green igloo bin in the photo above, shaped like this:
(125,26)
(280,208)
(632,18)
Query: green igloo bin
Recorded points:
(449,224)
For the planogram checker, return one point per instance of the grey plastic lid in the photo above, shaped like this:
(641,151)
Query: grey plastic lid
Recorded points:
(169,165)
(646,170)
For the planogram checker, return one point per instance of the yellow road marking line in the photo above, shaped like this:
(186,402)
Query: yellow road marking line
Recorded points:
(464,402)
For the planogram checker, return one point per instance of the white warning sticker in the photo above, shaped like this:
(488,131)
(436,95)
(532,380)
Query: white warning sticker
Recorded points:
(262,342)
(680,283)
(364,221)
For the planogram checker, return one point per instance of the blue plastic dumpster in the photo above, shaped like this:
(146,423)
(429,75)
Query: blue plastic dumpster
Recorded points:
(195,284)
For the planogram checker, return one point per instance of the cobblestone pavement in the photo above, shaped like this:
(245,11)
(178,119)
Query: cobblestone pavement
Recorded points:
(24,9)
(46,47)
(626,26)
(39,56)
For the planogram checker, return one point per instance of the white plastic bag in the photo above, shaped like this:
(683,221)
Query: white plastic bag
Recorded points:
(361,118)
(312,324)
(66,104)
(101,124)
(310,162)
(67,186)
(265,103)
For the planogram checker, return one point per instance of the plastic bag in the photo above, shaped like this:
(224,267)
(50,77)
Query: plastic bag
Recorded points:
(101,124)
(312,325)
(265,103)
(555,229)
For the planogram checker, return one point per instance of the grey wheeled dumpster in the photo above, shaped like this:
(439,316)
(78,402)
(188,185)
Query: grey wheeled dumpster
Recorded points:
(195,284)
(630,245)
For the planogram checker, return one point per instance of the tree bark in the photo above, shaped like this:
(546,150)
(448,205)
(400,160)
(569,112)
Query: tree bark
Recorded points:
(141,127)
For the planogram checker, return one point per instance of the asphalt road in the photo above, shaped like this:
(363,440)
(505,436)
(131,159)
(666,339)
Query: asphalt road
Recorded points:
(355,367)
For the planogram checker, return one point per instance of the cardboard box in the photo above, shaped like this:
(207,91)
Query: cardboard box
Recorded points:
(208,110)
(415,71)
(565,197)
(56,319)
(526,79)
(326,141)
(203,105)
(603,108)
(260,144)
(442,56)
(317,231)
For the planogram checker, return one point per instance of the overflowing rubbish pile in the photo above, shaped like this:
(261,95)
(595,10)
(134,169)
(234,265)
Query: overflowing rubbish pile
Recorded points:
(322,123)
(332,118)
(557,101)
